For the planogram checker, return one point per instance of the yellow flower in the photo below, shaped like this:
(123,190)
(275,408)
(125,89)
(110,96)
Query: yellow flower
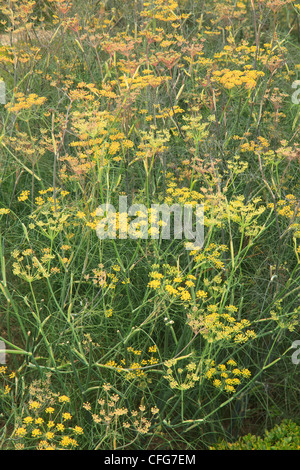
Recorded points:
(231,362)
(217,383)
(78,430)
(23,102)
(155,284)
(154,410)
(64,399)
(24,196)
(39,201)
(185,295)
(80,215)
(67,441)
(229,388)
(34,405)
(20,432)
(246,373)
(36,432)
(39,421)
(116,267)
(201,294)
(66,416)
(4,211)
(108,313)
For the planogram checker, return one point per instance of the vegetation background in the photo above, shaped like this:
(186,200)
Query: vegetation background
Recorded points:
(142,342)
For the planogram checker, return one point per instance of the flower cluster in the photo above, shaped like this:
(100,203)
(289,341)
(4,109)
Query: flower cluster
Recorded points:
(226,376)
(182,378)
(23,102)
(135,364)
(47,422)
(112,415)
(217,324)
(28,267)
(7,379)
